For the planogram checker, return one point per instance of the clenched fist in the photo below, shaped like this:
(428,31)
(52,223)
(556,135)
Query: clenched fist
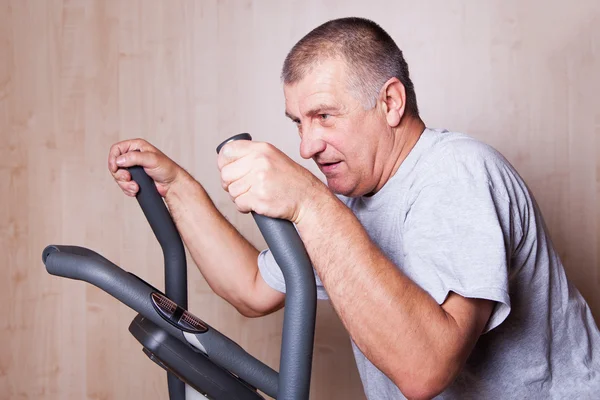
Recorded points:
(260,178)
(158,166)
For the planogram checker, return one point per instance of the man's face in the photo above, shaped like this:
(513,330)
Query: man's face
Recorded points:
(336,131)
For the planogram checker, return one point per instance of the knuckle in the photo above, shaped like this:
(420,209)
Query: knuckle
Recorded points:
(232,190)
(261,209)
(226,151)
(116,146)
(145,160)
(225,174)
(239,204)
(261,192)
(262,175)
(262,164)
(266,147)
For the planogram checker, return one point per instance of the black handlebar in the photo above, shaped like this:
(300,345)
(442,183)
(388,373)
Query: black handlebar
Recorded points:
(300,301)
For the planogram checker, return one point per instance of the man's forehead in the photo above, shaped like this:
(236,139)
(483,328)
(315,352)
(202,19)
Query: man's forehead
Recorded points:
(296,104)
(321,86)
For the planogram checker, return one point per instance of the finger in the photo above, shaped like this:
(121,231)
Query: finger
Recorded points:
(235,150)
(236,170)
(243,202)
(123,147)
(129,188)
(146,159)
(239,187)
(122,175)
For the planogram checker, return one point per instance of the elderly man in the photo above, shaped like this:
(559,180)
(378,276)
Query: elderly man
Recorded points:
(427,242)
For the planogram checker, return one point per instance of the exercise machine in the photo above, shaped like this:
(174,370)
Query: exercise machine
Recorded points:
(199,360)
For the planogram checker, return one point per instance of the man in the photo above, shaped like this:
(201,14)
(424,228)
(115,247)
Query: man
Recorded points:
(427,242)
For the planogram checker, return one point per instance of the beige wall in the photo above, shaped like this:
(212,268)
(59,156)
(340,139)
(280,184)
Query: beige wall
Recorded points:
(76,76)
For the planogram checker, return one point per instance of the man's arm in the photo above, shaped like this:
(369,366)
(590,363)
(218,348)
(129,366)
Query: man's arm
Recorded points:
(225,258)
(420,345)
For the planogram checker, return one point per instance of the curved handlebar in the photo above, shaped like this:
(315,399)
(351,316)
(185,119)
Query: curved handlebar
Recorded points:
(86,265)
(300,301)
(293,381)
(164,229)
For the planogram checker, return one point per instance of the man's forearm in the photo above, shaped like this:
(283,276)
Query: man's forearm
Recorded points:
(225,258)
(395,323)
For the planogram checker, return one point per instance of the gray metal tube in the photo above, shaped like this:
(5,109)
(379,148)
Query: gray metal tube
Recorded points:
(85,265)
(166,233)
(300,301)
(300,310)
(232,356)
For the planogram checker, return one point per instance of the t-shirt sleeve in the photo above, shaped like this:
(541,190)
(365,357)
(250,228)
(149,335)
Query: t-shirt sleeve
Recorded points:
(272,275)
(270,271)
(456,238)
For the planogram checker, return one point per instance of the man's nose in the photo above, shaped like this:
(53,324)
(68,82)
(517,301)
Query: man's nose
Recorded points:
(311,144)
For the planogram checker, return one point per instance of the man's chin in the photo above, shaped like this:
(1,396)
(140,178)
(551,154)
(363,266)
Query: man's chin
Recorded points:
(340,188)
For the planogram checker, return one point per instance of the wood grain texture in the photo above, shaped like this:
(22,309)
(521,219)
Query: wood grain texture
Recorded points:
(78,75)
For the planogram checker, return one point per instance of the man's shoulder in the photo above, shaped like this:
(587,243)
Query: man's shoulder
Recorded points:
(449,146)
(457,155)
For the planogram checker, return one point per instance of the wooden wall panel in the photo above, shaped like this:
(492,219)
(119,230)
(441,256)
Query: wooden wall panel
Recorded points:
(78,75)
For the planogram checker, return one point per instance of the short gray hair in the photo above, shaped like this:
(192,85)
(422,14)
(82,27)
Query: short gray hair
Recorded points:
(371,55)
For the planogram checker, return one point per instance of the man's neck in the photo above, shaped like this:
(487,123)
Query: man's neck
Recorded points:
(406,135)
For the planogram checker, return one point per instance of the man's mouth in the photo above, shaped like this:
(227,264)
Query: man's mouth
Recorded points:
(328,167)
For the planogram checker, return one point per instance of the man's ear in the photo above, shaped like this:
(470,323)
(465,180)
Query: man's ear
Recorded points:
(393,100)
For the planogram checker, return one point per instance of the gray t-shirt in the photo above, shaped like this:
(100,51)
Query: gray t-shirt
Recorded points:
(456,216)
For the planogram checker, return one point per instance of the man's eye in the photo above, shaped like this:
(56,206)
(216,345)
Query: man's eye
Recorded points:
(324,117)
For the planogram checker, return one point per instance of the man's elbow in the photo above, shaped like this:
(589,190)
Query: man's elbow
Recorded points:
(245,311)
(258,306)
(427,385)
(244,304)
(252,299)
(421,391)
(251,312)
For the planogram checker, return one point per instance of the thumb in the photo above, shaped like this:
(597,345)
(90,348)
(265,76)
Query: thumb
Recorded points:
(147,160)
